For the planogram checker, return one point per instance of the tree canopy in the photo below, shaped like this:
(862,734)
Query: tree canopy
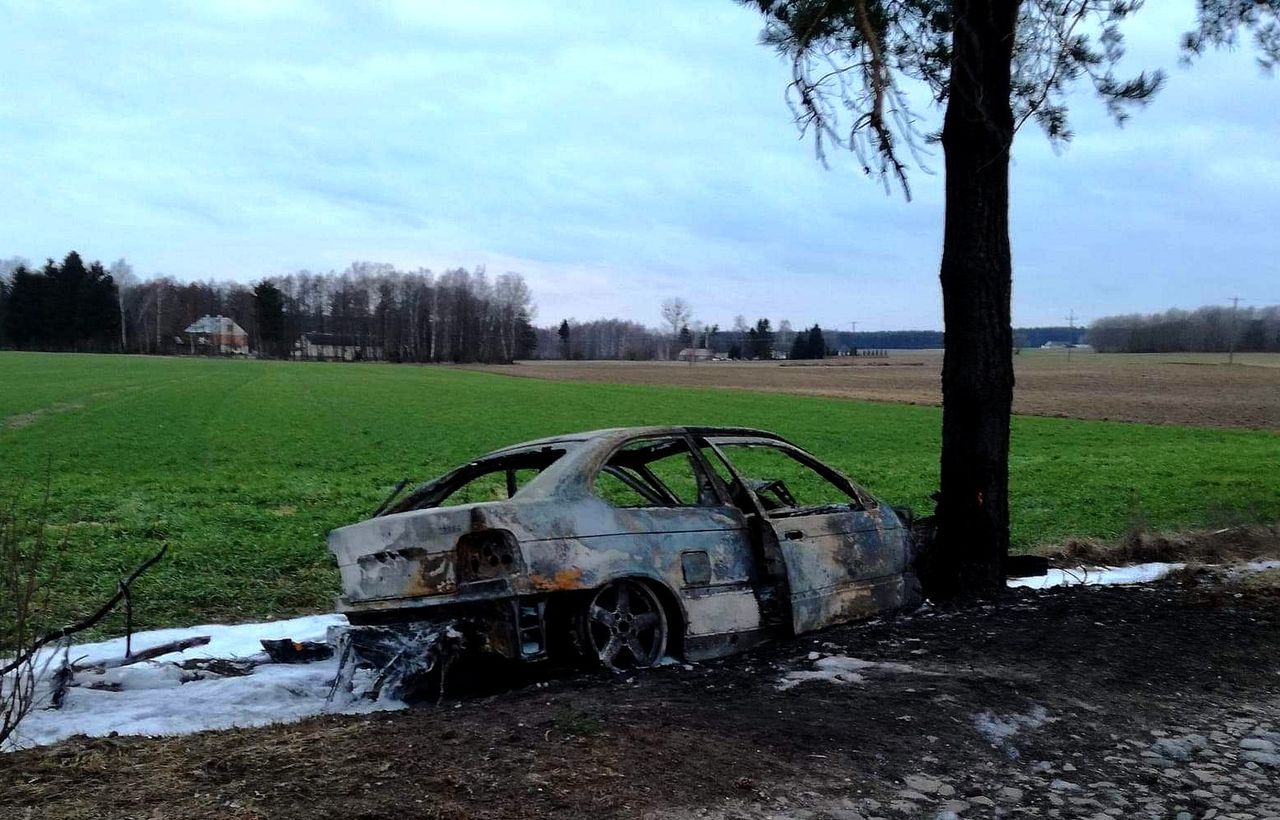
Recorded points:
(810,344)
(861,69)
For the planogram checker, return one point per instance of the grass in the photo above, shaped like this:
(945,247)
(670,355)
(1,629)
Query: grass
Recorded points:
(243,466)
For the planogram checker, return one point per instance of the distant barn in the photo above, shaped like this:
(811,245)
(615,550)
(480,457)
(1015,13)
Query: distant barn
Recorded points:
(341,346)
(695,354)
(217,335)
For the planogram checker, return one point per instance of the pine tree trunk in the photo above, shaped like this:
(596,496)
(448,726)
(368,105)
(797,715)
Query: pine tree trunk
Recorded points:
(977,277)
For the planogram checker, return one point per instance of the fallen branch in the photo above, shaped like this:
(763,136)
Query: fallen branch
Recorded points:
(80,626)
(146,654)
(223,667)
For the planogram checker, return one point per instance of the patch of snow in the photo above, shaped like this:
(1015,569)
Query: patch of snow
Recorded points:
(1261,565)
(1000,730)
(158,698)
(839,669)
(238,641)
(1134,574)
(802,676)
(1098,576)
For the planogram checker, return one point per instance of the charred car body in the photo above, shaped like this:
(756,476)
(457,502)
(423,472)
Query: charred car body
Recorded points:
(625,545)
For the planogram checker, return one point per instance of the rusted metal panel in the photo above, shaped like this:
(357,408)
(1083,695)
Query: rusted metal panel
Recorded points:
(832,555)
(723,610)
(813,609)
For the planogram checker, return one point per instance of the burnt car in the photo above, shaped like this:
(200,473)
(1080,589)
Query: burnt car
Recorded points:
(627,545)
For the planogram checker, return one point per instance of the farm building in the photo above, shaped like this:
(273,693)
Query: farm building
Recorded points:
(217,335)
(347,347)
(695,354)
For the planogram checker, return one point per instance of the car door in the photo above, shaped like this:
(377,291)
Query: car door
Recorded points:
(843,552)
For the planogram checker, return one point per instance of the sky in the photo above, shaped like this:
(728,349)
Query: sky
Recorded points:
(615,154)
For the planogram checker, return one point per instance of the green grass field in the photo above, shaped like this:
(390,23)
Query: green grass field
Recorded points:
(243,466)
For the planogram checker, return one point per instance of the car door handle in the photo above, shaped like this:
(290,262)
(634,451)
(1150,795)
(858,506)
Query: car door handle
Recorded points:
(794,535)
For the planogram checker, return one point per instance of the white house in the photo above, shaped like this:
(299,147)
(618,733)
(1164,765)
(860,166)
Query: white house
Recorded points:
(217,335)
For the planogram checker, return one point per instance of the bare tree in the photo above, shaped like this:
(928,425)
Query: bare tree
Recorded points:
(676,312)
(599,339)
(122,272)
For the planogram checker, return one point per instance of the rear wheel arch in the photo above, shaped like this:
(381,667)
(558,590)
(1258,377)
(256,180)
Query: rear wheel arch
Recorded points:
(677,618)
(567,616)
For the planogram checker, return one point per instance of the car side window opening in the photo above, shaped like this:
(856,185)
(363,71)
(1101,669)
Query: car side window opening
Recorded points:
(655,473)
(740,498)
(497,485)
(785,483)
(493,479)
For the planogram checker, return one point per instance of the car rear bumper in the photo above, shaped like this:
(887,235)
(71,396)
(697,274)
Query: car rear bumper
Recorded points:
(507,626)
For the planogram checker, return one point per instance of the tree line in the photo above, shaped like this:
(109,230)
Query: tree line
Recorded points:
(368,311)
(618,339)
(67,306)
(374,311)
(627,340)
(1211,329)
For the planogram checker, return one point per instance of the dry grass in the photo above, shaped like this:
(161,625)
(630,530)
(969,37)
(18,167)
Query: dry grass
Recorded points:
(1220,546)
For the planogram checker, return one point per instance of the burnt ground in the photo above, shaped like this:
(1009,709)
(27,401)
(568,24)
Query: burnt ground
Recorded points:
(1123,702)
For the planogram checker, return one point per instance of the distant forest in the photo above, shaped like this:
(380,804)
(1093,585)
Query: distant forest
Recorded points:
(1206,330)
(369,311)
(622,339)
(932,339)
(376,312)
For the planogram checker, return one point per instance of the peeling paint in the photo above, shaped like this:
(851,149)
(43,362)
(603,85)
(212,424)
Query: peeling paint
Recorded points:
(566,578)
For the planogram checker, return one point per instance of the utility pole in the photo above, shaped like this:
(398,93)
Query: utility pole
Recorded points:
(853,330)
(1231,341)
(1071,323)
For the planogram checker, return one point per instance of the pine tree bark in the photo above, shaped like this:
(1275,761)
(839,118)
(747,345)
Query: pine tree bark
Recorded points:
(977,279)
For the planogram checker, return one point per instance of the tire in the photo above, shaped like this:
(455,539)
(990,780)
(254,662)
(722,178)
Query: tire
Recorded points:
(623,626)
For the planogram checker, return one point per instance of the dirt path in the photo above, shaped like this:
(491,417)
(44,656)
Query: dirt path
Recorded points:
(1154,389)
(1140,702)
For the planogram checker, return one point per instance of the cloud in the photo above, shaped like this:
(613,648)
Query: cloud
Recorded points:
(616,155)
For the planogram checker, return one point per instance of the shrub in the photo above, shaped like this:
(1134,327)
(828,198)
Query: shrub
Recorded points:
(28,562)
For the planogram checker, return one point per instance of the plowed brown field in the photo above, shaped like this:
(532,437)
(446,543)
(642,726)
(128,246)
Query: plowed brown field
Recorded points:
(1189,389)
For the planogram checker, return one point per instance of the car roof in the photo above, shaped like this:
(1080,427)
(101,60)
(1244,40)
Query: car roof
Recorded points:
(569,476)
(612,434)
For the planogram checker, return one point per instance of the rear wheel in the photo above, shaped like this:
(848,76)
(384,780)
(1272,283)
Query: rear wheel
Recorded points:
(624,626)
